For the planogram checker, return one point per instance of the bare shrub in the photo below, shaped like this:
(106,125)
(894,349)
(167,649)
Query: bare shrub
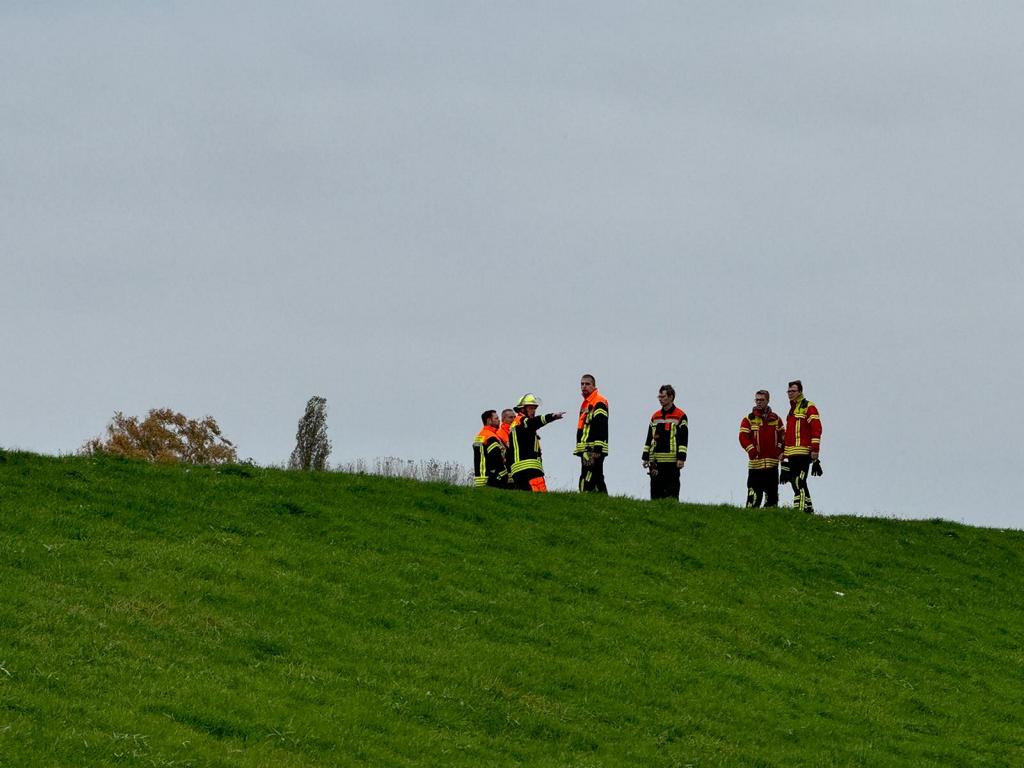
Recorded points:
(164,436)
(425,470)
(311,444)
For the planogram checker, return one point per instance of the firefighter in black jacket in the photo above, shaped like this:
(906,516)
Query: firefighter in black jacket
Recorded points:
(489,454)
(665,450)
(592,436)
(524,445)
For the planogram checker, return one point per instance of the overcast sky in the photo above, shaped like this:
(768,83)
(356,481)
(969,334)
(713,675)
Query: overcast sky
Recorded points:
(423,210)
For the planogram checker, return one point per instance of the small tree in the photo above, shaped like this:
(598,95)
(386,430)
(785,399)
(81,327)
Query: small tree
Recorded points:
(165,436)
(311,444)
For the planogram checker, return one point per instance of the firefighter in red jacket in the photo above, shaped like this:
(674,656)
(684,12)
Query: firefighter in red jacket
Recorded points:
(489,454)
(524,445)
(665,449)
(592,436)
(803,444)
(762,436)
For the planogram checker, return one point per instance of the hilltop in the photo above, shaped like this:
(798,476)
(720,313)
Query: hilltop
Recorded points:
(240,616)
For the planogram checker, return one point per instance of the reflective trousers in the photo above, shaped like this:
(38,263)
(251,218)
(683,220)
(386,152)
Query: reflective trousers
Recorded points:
(592,477)
(799,469)
(763,484)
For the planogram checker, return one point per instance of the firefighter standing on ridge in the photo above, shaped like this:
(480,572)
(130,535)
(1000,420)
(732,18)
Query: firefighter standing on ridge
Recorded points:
(524,445)
(665,450)
(803,443)
(489,454)
(762,435)
(592,436)
(508,417)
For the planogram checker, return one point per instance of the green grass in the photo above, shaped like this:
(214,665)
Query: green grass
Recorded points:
(159,615)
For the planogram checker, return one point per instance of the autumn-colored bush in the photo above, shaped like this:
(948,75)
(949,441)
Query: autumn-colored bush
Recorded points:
(165,436)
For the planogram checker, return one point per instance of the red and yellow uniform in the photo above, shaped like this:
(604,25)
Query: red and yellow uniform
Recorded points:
(488,459)
(803,441)
(762,436)
(803,428)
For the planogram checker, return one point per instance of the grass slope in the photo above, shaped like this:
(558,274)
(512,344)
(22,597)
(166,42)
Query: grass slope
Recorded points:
(158,615)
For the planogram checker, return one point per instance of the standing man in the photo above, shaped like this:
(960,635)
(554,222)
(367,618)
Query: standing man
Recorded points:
(489,454)
(592,436)
(762,435)
(507,417)
(665,449)
(803,443)
(524,445)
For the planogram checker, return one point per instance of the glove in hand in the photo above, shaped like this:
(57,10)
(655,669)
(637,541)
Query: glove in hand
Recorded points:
(784,474)
(816,470)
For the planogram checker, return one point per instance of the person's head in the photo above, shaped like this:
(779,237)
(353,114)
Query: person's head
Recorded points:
(528,405)
(508,416)
(795,390)
(489,418)
(761,399)
(587,384)
(666,395)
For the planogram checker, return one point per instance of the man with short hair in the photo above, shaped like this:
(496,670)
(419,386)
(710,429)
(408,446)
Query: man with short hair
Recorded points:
(507,417)
(803,444)
(524,445)
(762,435)
(665,449)
(592,436)
(489,454)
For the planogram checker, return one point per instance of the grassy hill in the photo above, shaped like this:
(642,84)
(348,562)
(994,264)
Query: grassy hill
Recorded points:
(166,616)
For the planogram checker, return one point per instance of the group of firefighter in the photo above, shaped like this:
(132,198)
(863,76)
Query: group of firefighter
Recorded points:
(507,454)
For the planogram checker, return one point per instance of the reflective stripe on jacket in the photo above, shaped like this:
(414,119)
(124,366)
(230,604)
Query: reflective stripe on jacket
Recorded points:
(667,436)
(592,427)
(524,443)
(488,457)
(762,437)
(803,428)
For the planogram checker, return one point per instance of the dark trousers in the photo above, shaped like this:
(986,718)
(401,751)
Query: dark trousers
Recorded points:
(665,481)
(592,477)
(521,480)
(799,469)
(763,484)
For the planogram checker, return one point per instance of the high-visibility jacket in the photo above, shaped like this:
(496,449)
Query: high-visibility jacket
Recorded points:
(524,443)
(502,433)
(592,427)
(803,428)
(762,436)
(488,458)
(667,436)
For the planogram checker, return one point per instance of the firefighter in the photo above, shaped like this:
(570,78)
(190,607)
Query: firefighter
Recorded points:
(507,417)
(592,436)
(803,444)
(665,449)
(762,435)
(489,454)
(524,445)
